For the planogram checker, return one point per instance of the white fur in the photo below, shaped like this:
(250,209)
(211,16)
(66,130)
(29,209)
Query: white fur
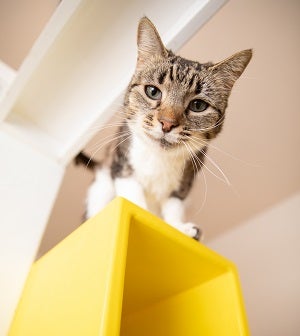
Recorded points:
(129,188)
(100,192)
(157,172)
(173,213)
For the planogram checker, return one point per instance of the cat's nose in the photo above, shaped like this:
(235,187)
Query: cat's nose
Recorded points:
(168,125)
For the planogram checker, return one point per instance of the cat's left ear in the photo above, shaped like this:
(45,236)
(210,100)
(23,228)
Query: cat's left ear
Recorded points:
(229,70)
(148,41)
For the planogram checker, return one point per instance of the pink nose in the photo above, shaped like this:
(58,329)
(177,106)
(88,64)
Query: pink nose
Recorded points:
(168,125)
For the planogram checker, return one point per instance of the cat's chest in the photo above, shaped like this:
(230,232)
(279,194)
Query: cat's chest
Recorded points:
(159,171)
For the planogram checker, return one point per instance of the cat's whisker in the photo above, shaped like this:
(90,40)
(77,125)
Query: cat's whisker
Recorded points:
(224,179)
(183,155)
(194,164)
(94,153)
(227,181)
(201,163)
(205,190)
(202,171)
(99,125)
(205,193)
(218,168)
(129,135)
(106,126)
(204,179)
(123,140)
(208,143)
(118,118)
(109,138)
(217,124)
(196,159)
(198,141)
(179,154)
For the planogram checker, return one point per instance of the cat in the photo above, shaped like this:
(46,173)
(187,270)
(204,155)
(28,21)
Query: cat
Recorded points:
(172,108)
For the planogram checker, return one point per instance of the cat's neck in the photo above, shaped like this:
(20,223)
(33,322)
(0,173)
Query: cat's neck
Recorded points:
(158,170)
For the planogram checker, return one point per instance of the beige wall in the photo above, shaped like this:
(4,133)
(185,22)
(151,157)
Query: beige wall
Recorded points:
(21,22)
(266,251)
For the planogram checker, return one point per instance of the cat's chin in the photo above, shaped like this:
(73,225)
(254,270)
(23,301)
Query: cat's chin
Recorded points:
(162,142)
(166,144)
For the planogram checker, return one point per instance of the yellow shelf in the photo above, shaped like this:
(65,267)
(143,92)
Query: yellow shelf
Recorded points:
(126,272)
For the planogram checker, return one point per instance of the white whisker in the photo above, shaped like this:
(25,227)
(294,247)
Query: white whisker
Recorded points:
(224,179)
(205,193)
(109,138)
(220,122)
(217,167)
(116,137)
(194,164)
(208,143)
(125,139)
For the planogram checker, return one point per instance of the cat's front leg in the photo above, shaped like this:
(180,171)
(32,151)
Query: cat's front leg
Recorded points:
(100,192)
(130,188)
(173,213)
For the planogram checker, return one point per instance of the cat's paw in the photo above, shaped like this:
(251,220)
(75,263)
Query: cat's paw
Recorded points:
(191,230)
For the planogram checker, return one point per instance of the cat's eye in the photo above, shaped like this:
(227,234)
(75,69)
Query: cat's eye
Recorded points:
(153,92)
(198,105)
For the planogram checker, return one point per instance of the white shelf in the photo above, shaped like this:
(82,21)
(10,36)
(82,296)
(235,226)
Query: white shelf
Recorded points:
(83,62)
(25,131)
(7,76)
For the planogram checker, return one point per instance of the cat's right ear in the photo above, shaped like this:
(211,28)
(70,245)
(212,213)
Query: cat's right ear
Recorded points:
(148,41)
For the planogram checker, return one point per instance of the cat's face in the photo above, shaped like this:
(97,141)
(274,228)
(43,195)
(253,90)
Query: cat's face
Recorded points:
(176,102)
(169,99)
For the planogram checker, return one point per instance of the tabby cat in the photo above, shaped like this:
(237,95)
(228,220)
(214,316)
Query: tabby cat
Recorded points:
(173,107)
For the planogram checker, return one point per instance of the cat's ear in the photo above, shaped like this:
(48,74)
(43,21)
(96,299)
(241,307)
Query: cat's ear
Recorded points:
(229,70)
(148,41)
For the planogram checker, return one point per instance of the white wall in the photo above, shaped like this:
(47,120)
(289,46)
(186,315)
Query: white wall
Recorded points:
(266,250)
(28,185)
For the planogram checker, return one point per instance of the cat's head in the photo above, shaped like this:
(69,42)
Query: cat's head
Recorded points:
(176,102)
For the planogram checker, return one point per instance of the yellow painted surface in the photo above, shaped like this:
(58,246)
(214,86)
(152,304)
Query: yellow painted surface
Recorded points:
(126,272)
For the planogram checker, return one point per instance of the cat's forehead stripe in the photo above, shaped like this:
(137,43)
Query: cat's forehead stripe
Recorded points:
(162,77)
(187,72)
(178,69)
(191,81)
(198,87)
(171,73)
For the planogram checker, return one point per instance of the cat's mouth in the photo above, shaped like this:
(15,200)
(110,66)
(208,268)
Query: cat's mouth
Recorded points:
(163,142)
(166,144)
